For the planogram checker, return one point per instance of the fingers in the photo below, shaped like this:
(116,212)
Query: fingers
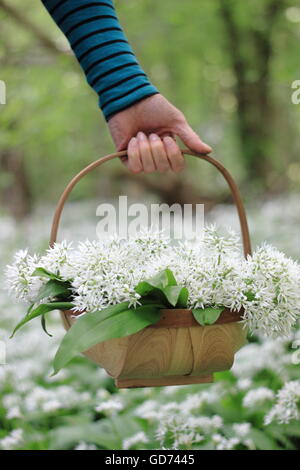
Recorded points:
(159,153)
(174,154)
(134,162)
(145,153)
(153,153)
(191,139)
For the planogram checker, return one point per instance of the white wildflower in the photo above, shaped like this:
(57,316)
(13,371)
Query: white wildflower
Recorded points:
(287,407)
(205,424)
(103,273)
(241,429)
(273,286)
(84,446)
(19,278)
(13,440)
(254,358)
(222,443)
(103,394)
(148,410)
(243,384)
(138,438)
(14,412)
(57,259)
(188,439)
(110,407)
(257,397)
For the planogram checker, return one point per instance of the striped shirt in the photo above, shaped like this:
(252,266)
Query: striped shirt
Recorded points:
(102,49)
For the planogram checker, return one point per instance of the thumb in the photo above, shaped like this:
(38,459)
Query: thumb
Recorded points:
(192,140)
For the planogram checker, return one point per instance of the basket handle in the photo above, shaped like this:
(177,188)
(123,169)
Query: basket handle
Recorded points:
(231,183)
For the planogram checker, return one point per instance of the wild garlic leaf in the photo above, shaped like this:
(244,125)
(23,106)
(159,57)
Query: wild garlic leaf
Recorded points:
(208,315)
(53,289)
(94,327)
(183,298)
(41,310)
(42,272)
(43,323)
(162,280)
(175,295)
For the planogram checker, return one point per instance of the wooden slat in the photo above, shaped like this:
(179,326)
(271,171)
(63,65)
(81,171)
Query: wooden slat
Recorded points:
(164,381)
(180,318)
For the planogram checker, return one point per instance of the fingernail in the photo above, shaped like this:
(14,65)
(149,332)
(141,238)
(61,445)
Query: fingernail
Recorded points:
(141,135)
(168,140)
(209,149)
(153,137)
(133,141)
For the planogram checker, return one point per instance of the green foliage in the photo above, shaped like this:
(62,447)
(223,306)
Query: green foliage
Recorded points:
(164,287)
(208,315)
(40,311)
(57,294)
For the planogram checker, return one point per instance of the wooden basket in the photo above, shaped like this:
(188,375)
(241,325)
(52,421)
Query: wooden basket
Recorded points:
(176,350)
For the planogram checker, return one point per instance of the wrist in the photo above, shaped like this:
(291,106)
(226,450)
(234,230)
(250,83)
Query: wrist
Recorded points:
(128,100)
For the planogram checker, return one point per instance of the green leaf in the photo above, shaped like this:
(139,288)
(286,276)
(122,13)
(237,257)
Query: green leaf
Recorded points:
(183,298)
(41,310)
(162,280)
(29,309)
(208,315)
(144,288)
(94,327)
(262,440)
(164,283)
(175,295)
(42,272)
(107,433)
(54,288)
(158,300)
(43,323)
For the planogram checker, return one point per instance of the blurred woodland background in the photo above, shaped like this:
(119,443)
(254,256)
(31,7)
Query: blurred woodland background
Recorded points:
(228,65)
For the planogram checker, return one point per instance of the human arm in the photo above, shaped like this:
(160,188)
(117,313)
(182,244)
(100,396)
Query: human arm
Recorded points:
(129,102)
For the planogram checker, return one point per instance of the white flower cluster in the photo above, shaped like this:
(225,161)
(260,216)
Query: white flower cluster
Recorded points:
(266,285)
(138,438)
(287,407)
(44,399)
(257,397)
(19,276)
(84,446)
(183,425)
(274,280)
(110,407)
(20,279)
(12,441)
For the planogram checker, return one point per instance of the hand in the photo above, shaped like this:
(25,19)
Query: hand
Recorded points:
(147,130)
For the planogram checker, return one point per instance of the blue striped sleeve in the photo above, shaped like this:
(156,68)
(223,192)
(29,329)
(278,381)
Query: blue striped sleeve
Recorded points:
(103,51)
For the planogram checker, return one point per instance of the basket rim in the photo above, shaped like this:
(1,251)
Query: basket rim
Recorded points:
(178,318)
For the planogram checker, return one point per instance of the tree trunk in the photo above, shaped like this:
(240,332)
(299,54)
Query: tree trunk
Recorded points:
(15,190)
(254,112)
